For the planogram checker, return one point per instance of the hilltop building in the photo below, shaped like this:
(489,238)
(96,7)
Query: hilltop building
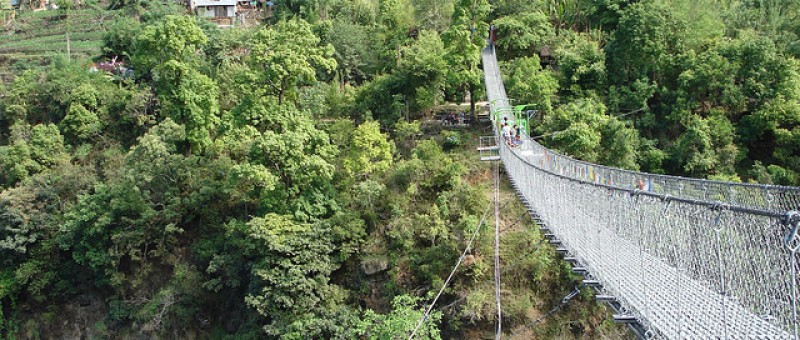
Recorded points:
(221,12)
(227,13)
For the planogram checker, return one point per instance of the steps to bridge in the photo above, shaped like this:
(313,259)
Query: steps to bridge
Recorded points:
(591,283)
(623,318)
(605,298)
(489,148)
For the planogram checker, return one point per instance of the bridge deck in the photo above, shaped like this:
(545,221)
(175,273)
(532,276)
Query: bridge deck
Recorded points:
(670,278)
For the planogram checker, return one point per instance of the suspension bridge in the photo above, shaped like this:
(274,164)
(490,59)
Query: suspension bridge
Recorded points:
(680,257)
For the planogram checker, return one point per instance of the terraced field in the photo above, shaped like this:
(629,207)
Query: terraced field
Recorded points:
(42,35)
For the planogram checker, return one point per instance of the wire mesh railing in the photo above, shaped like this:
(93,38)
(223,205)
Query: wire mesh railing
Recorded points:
(688,258)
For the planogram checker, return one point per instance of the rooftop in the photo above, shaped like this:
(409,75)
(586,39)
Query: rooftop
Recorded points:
(198,3)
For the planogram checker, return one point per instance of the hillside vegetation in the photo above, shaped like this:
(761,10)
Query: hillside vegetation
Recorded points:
(704,89)
(287,181)
(35,37)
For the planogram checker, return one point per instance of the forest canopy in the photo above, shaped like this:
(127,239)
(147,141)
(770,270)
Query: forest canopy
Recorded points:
(292,179)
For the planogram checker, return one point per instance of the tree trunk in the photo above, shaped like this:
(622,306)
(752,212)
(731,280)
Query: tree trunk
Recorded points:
(472,102)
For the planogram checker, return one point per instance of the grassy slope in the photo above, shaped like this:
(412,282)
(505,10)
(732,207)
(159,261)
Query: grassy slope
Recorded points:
(525,299)
(33,36)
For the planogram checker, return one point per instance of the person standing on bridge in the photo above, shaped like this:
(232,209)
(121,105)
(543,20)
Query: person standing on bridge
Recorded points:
(506,131)
(510,136)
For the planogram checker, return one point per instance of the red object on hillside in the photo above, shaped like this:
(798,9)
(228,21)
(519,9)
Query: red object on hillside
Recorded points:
(113,67)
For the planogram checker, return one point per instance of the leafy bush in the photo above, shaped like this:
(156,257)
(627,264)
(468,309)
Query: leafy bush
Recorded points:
(451,140)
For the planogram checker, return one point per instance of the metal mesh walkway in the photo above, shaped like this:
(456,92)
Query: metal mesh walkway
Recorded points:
(688,258)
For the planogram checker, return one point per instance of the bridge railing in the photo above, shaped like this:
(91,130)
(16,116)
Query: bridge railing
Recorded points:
(683,269)
(761,196)
(688,258)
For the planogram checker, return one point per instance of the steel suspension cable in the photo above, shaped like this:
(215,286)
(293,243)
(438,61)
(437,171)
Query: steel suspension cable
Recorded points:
(452,273)
(566,299)
(497,250)
(685,258)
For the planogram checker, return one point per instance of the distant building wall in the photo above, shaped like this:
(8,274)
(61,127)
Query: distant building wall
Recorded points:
(211,11)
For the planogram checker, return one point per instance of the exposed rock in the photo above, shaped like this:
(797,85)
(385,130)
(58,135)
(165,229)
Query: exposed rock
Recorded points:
(374,265)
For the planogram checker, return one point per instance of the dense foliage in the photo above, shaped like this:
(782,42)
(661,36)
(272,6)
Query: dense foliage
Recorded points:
(282,181)
(694,88)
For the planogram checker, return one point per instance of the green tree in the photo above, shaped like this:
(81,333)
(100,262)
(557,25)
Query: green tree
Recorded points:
(120,38)
(702,19)
(583,130)
(429,170)
(81,121)
(776,19)
(288,55)
(761,70)
(293,273)
(190,98)
(420,71)
(434,14)
(405,135)
(707,146)
(709,81)
(463,42)
(606,13)
(356,59)
(170,49)
(400,322)
(770,136)
(370,152)
(620,145)
(32,150)
(581,65)
(282,141)
(527,82)
(522,34)
(649,34)
(173,38)
(565,14)
(125,228)
(32,214)
(395,21)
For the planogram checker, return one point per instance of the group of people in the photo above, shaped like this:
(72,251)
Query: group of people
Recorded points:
(511,135)
(453,119)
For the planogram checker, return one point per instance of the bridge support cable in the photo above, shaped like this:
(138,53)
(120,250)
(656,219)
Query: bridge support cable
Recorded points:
(620,313)
(497,249)
(684,258)
(566,299)
(452,273)
(792,244)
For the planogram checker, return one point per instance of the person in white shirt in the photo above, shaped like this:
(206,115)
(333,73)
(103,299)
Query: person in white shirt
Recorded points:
(506,133)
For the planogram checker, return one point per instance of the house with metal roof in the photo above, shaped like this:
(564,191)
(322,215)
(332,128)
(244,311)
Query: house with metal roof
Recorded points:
(222,12)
